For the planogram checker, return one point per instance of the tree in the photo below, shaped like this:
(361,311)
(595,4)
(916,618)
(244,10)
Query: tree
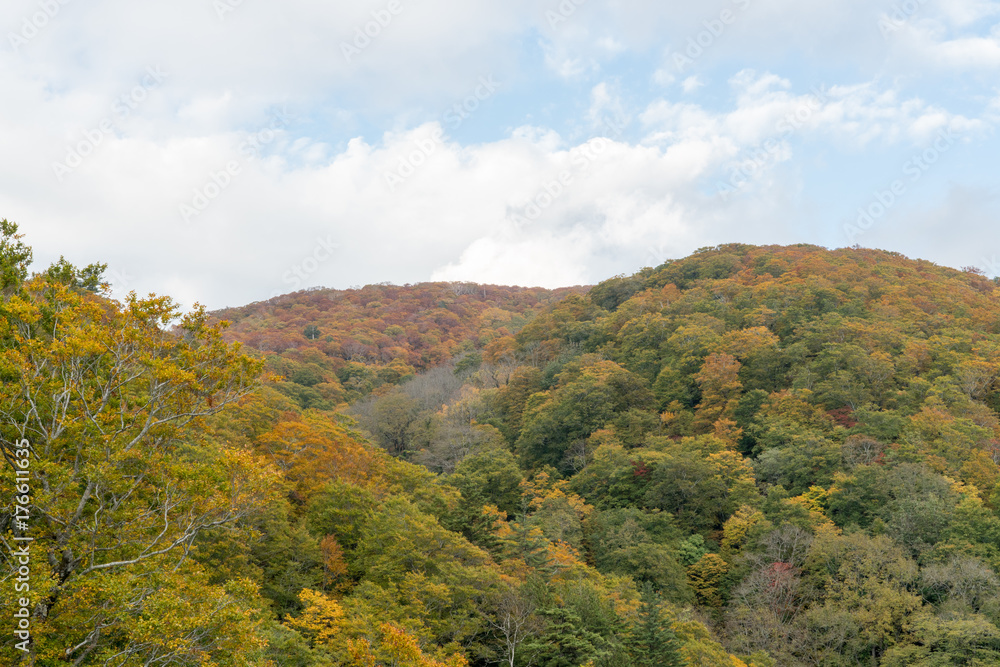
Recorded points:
(488,479)
(513,619)
(590,395)
(652,642)
(122,483)
(395,647)
(971,640)
(634,543)
(869,580)
(707,577)
(962,581)
(701,488)
(392,416)
(15,257)
(434,573)
(720,390)
(566,641)
(615,291)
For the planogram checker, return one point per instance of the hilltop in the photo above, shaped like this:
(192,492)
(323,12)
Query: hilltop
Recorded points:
(338,345)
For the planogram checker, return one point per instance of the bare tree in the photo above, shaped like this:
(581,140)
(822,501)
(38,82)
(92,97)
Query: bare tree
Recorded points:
(860,450)
(578,455)
(513,620)
(963,579)
(460,288)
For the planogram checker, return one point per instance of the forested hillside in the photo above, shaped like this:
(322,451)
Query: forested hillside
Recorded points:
(331,346)
(755,456)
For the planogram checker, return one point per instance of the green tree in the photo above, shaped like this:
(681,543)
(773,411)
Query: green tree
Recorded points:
(869,580)
(15,257)
(489,479)
(566,641)
(652,642)
(588,397)
(628,541)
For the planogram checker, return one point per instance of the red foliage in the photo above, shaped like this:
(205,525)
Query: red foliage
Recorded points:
(640,469)
(843,416)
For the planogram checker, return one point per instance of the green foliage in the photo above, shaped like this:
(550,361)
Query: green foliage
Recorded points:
(615,291)
(566,640)
(15,256)
(88,279)
(692,549)
(628,541)
(491,479)
(107,402)
(590,395)
(469,363)
(653,642)
(701,487)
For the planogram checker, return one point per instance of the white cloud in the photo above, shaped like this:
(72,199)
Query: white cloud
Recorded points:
(853,115)
(691,84)
(634,198)
(927,44)
(962,13)
(607,111)
(464,211)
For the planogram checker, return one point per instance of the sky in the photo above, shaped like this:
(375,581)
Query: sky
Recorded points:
(227,151)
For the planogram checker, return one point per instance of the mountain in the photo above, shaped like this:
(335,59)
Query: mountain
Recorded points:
(749,457)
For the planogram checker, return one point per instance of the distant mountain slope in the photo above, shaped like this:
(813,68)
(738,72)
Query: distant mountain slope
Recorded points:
(338,345)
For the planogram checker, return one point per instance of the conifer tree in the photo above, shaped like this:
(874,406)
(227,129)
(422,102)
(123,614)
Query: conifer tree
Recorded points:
(653,643)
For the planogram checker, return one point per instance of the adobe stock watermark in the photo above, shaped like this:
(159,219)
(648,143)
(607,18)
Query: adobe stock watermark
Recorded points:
(715,28)
(884,199)
(657,255)
(757,158)
(119,282)
(581,158)
(122,107)
(32,26)
(902,12)
(563,12)
(299,272)
(223,8)
(21,556)
(454,117)
(365,34)
(991,266)
(218,181)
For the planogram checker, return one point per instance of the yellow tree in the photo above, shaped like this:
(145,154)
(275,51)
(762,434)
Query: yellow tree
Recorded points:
(706,578)
(720,390)
(397,648)
(108,397)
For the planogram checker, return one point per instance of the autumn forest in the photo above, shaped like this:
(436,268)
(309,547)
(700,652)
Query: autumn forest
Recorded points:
(750,457)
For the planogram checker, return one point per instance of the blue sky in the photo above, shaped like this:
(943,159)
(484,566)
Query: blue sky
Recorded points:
(225,151)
